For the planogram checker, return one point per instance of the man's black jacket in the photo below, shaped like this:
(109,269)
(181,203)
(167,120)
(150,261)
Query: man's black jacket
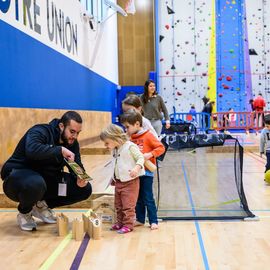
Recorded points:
(40,150)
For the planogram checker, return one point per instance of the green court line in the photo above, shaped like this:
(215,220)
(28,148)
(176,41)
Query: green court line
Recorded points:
(47,264)
(219,204)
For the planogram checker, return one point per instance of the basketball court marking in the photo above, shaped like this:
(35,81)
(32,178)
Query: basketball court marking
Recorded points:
(78,258)
(251,154)
(48,263)
(202,248)
(162,210)
(262,157)
(213,210)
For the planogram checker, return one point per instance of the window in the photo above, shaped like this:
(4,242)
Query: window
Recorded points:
(97,8)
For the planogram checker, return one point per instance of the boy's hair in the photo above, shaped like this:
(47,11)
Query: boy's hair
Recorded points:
(132,100)
(131,117)
(114,133)
(267,119)
(70,115)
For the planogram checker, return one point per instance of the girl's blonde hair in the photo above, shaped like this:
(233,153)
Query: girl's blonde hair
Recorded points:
(115,133)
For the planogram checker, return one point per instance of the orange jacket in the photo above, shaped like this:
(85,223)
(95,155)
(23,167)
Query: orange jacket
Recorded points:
(147,142)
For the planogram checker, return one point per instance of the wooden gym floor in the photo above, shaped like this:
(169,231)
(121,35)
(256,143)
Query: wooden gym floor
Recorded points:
(179,245)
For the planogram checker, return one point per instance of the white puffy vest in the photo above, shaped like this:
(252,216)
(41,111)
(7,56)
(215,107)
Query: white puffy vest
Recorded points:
(125,162)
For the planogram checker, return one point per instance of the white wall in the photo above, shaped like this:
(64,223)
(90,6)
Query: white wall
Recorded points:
(258,23)
(186,45)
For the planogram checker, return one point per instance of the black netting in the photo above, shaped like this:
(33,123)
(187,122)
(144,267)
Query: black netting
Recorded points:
(194,184)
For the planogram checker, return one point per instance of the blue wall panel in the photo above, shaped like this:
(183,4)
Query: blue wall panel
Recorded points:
(32,75)
(122,93)
(231,90)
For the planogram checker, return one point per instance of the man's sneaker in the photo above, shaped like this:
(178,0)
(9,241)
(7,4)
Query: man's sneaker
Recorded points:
(26,222)
(43,212)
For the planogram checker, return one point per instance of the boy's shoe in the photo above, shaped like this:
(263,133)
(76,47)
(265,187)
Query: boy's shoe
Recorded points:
(43,212)
(26,222)
(154,226)
(124,229)
(116,227)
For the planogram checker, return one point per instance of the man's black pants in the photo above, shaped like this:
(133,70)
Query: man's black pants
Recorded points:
(27,187)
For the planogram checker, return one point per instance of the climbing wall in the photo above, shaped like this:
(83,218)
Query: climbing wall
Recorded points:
(258,28)
(243,50)
(185,29)
(232,85)
(231,71)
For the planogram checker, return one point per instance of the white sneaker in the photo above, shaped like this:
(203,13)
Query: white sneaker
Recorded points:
(26,222)
(43,212)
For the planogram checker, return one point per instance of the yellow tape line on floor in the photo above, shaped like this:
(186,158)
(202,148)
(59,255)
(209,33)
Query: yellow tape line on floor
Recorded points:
(47,264)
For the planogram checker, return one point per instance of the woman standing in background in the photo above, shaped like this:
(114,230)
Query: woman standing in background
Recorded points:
(154,107)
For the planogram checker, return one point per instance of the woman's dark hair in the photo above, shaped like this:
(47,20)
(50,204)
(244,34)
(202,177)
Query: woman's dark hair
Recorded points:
(145,95)
(70,115)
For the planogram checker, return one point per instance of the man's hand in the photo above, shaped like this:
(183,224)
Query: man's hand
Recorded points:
(81,182)
(67,154)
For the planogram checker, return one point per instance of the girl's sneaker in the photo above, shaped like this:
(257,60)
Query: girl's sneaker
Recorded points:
(116,227)
(124,229)
(153,226)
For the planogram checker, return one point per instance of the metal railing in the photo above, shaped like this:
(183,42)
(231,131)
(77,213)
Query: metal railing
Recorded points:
(200,120)
(238,120)
(221,120)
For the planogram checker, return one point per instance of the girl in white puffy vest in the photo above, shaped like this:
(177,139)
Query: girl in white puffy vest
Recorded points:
(128,166)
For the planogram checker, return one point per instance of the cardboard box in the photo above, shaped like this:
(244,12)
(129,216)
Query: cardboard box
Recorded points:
(103,206)
(105,201)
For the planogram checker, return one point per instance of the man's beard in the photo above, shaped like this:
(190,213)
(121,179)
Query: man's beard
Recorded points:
(64,138)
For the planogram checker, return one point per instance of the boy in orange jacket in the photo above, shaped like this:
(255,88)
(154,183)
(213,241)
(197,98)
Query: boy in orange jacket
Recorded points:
(151,148)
